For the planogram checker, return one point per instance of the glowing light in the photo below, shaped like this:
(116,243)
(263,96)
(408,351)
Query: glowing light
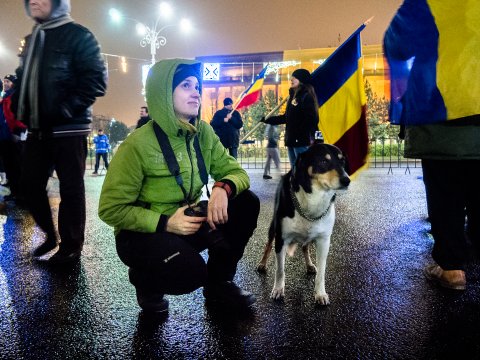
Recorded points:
(186,25)
(123,64)
(141,29)
(115,15)
(166,11)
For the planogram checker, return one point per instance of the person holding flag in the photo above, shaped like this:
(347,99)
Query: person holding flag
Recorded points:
(432,49)
(301,116)
(227,124)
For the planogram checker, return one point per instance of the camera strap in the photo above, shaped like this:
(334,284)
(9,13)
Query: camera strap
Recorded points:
(172,162)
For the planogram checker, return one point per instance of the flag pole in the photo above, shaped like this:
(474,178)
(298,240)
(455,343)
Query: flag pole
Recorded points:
(266,117)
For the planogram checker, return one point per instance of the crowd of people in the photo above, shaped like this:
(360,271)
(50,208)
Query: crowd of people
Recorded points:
(153,203)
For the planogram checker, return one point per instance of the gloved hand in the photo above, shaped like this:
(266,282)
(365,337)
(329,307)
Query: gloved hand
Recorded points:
(263,120)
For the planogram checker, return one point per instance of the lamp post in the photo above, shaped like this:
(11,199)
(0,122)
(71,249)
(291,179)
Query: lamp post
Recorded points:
(152,35)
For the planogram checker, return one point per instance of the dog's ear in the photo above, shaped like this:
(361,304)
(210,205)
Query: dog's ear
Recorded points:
(300,174)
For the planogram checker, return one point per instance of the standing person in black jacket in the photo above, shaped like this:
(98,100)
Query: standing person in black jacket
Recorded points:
(61,73)
(301,116)
(227,126)
(144,117)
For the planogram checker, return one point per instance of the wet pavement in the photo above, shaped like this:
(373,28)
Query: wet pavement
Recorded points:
(381,305)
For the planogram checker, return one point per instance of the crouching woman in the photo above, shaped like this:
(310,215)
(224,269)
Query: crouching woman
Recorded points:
(152,184)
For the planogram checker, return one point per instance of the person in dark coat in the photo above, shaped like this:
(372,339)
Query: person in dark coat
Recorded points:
(61,74)
(301,116)
(445,137)
(227,126)
(144,117)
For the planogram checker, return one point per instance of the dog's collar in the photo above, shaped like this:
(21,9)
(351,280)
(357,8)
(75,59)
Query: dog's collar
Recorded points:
(302,212)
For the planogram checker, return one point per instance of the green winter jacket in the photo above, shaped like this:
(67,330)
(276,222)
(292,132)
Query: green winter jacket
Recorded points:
(138,173)
(453,140)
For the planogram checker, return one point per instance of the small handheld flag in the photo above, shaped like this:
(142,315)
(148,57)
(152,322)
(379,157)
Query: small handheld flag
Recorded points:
(252,94)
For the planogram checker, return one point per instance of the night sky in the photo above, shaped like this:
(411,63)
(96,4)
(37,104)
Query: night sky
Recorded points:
(220,27)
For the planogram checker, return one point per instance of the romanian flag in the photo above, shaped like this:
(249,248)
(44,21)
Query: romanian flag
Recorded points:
(433,48)
(252,94)
(338,83)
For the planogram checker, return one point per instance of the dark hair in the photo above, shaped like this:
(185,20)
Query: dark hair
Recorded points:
(1,85)
(309,89)
(144,107)
(100,130)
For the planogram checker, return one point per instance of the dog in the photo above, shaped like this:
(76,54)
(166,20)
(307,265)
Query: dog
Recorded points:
(304,213)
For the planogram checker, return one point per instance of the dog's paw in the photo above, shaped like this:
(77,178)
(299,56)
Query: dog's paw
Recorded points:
(322,299)
(278,293)
(262,268)
(311,269)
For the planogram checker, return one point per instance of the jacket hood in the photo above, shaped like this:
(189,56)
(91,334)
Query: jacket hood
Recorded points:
(159,94)
(59,8)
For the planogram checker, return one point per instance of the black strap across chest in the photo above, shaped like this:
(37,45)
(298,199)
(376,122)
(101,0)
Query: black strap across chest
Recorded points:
(172,162)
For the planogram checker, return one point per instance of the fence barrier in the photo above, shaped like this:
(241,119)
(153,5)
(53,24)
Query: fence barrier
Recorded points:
(384,153)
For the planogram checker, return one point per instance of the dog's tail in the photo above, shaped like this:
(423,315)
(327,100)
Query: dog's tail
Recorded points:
(291,249)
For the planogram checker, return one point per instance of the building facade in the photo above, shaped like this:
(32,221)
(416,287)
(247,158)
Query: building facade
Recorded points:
(230,75)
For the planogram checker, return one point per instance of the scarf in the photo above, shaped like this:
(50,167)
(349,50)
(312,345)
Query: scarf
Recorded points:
(31,64)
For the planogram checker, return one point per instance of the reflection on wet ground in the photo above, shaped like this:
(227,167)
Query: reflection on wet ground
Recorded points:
(381,305)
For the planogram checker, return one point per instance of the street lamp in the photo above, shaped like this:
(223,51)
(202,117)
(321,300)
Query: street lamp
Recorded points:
(151,35)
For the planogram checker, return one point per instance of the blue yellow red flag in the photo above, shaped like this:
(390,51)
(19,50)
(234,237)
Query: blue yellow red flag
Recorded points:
(253,92)
(339,86)
(432,48)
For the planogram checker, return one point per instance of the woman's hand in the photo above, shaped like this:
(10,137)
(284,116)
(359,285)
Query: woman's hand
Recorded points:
(217,207)
(181,224)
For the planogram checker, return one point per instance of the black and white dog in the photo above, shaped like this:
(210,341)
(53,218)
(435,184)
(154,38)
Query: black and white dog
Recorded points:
(305,212)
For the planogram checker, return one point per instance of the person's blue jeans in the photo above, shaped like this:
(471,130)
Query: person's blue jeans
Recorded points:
(293,153)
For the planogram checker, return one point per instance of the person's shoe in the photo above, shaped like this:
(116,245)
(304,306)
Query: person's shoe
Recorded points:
(450,279)
(228,294)
(94,173)
(64,257)
(267,177)
(151,302)
(48,245)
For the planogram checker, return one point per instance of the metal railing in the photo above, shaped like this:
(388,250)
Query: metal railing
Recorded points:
(384,153)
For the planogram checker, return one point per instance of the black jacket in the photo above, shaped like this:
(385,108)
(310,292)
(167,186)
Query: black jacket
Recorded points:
(228,132)
(71,75)
(142,121)
(301,120)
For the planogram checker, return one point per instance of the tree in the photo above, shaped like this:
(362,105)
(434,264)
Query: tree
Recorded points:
(254,113)
(118,132)
(379,127)
(101,122)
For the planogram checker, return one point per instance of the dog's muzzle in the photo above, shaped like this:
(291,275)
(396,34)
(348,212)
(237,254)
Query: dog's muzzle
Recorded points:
(344,181)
